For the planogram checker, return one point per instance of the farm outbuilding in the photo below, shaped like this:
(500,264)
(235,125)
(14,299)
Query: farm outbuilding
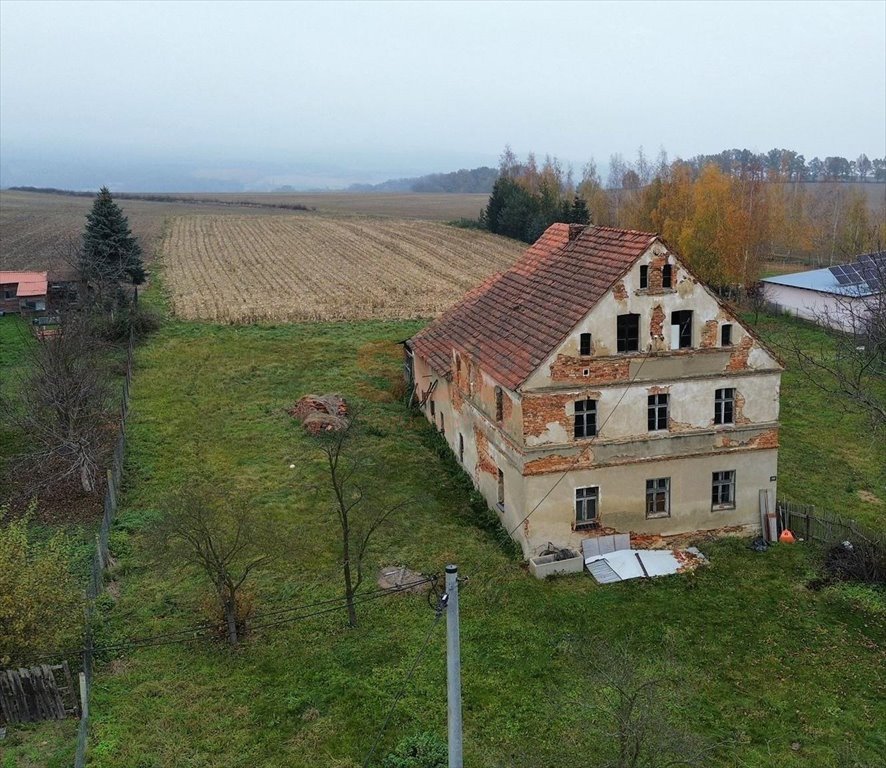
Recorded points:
(23,292)
(835,296)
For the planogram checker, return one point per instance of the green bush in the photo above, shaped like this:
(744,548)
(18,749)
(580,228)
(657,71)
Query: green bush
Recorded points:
(115,326)
(41,605)
(423,750)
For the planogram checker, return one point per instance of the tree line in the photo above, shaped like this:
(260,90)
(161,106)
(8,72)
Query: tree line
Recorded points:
(725,214)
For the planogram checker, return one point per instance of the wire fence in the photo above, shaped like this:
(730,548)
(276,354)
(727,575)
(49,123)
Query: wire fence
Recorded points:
(101,558)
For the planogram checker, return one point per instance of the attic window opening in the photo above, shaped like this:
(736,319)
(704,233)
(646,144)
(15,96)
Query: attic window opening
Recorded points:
(666,276)
(499,404)
(644,276)
(681,329)
(628,333)
(726,335)
(584,344)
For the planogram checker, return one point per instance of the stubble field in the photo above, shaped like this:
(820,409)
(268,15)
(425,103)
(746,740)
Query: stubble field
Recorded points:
(300,267)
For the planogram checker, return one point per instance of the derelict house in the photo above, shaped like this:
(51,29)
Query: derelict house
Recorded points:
(598,386)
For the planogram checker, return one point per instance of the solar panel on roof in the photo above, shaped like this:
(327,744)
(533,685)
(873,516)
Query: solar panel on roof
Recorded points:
(870,268)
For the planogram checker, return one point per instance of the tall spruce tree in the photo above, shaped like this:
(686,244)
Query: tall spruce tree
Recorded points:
(111,254)
(578,212)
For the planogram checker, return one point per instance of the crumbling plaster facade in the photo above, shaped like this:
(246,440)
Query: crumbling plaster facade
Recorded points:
(542,464)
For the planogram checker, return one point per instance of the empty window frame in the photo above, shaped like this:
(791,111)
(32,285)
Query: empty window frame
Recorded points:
(666,276)
(726,335)
(681,329)
(501,488)
(461,447)
(657,415)
(724,406)
(585,418)
(723,490)
(586,507)
(644,276)
(658,497)
(442,424)
(499,404)
(627,328)
(433,411)
(584,344)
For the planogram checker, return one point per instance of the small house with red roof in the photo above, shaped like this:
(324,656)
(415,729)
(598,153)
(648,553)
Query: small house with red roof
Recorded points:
(23,292)
(598,386)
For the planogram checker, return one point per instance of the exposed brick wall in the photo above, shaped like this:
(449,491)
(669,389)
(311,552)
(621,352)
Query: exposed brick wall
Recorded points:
(541,410)
(709,333)
(656,324)
(557,463)
(603,371)
(484,460)
(738,360)
(619,291)
(767,439)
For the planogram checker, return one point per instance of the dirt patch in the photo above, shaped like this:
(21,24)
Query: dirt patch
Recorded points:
(869,497)
(401,578)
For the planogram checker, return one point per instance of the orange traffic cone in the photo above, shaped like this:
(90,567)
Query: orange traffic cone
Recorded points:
(787,537)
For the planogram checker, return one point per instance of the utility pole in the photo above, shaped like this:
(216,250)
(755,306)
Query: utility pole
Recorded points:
(453,667)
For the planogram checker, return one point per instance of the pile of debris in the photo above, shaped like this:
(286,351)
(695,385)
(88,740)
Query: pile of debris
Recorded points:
(320,413)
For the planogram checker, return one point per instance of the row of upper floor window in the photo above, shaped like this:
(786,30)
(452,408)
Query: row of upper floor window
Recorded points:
(657,407)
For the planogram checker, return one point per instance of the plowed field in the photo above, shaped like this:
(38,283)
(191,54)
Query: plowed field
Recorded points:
(235,269)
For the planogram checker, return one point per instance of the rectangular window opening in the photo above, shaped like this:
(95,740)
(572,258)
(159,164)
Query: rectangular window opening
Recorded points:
(724,406)
(726,335)
(644,276)
(586,503)
(666,276)
(585,418)
(723,490)
(657,415)
(584,344)
(442,425)
(681,329)
(461,447)
(433,412)
(501,488)
(658,497)
(627,333)
(499,404)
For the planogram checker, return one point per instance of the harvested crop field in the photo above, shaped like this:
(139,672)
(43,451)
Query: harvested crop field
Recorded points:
(36,229)
(234,269)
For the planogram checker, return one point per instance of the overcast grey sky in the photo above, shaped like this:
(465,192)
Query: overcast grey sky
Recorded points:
(261,93)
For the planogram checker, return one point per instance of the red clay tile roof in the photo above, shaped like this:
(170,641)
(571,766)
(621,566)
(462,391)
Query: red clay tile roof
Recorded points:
(29,283)
(515,319)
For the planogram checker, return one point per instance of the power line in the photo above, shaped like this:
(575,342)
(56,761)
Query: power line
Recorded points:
(413,667)
(200,631)
(589,444)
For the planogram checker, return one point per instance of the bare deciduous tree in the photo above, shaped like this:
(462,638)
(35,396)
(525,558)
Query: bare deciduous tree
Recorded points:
(63,407)
(639,709)
(220,536)
(345,465)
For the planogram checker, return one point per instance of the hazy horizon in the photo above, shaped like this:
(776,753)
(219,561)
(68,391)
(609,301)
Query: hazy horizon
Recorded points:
(233,96)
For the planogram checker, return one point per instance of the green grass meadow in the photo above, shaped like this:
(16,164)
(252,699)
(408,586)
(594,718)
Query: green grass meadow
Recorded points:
(778,674)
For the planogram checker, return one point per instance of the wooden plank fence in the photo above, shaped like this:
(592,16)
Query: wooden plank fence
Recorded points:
(808,523)
(44,692)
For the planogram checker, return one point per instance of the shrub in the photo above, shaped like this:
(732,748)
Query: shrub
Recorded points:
(41,604)
(115,327)
(423,750)
(862,560)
